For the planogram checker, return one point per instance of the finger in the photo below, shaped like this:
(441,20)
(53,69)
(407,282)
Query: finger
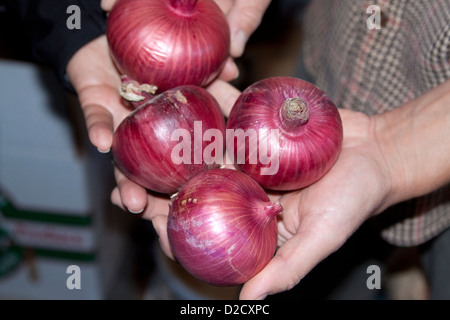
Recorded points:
(225,94)
(244,17)
(293,260)
(99,123)
(156,206)
(229,71)
(107,4)
(133,197)
(116,199)
(224,5)
(297,256)
(160,225)
(275,196)
(97,101)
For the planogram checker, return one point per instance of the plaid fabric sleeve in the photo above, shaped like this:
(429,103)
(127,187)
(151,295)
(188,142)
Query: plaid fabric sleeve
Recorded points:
(376,70)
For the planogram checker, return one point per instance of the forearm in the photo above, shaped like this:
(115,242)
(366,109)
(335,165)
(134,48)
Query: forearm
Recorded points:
(415,142)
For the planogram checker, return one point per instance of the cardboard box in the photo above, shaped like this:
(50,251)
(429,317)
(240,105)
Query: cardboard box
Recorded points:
(55,210)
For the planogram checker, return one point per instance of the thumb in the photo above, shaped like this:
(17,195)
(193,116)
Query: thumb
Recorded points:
(244,17)
(312,243)
(292,262)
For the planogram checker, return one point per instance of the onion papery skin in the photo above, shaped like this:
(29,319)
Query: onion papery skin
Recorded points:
(222,227)
(153,42)
(142,143)
(306,149)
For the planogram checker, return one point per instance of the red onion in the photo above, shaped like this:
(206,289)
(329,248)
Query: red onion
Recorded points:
(168,43)
(222,227)
(163,143)
(294,133)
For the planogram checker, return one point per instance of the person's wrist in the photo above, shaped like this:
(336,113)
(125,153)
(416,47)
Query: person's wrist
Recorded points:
(391,161)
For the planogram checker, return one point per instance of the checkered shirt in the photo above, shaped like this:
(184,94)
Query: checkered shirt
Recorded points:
(376,70)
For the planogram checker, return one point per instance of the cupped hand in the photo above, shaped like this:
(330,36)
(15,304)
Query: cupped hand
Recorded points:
(244,17)
(96,80)
(317,220)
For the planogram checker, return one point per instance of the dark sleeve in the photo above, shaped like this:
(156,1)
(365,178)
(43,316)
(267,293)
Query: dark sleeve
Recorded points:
(45,23)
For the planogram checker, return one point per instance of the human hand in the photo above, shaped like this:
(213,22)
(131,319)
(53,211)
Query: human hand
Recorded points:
(317,220)
(243,18)
(95,79)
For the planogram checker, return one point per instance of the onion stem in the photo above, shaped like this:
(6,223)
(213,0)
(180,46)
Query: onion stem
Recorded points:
(270,211)
(136,93)
(294,112)
(185,6)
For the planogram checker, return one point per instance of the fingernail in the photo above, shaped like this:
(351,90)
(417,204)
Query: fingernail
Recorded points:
(157,230)
(103,151)
(136,212)
(262,297)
